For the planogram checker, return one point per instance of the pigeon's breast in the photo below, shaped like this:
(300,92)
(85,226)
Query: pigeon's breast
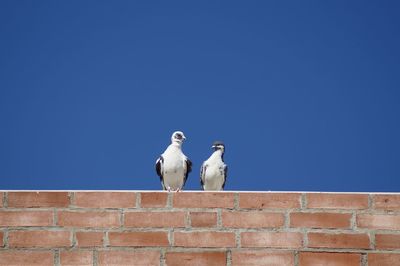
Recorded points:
(214,171)
(174,171)
(173,162)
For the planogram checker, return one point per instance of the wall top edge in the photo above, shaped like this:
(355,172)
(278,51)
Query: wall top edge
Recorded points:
(191,191)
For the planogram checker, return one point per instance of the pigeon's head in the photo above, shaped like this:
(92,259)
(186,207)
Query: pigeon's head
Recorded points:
(178,137)
(218,145)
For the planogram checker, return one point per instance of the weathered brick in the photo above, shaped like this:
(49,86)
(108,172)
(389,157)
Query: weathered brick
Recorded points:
(195,258)
(26,218)
(105,199)
(1,199)
(138,239)
(269,200)
(387,241)
(203,219)
(37,199)
(383,259)
(39,239)
(31,258)
(262,257)
(204,239)
(153,199)
(272,239)
(89,239)
(154,219)
(1,239)
(387,202)
(378,221)
(139,258)
(337,201)
(320,220)
(252,219)
(203,200)
(329,259)
(87,219)
(325,240)
(81,258)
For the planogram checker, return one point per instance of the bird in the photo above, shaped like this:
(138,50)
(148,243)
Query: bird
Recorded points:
(213,171)
(173,167)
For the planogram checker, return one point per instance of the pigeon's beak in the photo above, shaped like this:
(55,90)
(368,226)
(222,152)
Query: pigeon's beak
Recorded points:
(183,137)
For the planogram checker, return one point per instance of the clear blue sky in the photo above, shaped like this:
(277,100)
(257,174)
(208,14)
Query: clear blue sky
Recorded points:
(305,94)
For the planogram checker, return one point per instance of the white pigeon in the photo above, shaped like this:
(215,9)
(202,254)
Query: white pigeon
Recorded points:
(214,171)
(173,167)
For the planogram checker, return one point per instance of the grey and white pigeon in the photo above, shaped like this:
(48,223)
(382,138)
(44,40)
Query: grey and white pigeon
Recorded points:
(173,167)
(214,171)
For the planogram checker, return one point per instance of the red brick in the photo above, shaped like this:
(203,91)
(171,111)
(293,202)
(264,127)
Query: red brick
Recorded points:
(203,200)
(387,241)
(31,258)
(203,219)
(26,218)
(252,219)
(105,199)
(153,199)
(383,259)
(269,200)
(138,239)
(387,202)
(1,239)
(89,239)
(320,220)
(108,258)
(195,258)
(39,239)
(272,239)
(204,239)
(261,257)
(329,259)
(89,219)
(337,201)
(37,199)
(154,219)
(81,258)
(375,221)
(323,240)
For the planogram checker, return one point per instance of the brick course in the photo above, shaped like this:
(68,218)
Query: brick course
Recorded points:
(329,259)
(154,219)
(45,239)
(105,199)
(272,239)
(25,218)
(261,257)
(320,220)
(195,258)
(37,199)
(80,257)
(89,239)
(203,219)
(337,201)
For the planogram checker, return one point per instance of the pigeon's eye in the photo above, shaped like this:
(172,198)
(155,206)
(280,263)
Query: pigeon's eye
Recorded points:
(178,136)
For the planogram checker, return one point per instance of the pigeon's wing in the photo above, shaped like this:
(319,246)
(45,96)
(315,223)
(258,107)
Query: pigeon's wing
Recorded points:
(188,169)
(203,170)
(160,169)
(225,175)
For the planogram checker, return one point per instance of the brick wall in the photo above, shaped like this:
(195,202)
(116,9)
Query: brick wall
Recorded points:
(199,228)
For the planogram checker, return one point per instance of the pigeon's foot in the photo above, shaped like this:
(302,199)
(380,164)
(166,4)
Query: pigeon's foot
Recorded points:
(178,189)
(169,189)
